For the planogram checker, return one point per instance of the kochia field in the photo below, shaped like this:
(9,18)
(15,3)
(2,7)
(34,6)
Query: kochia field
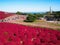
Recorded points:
(16,34)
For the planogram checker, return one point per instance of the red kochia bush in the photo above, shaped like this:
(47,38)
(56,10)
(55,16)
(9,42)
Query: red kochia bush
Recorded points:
(14,34)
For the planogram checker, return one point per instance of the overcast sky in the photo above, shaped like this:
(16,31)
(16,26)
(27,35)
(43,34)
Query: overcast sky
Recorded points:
(29,5)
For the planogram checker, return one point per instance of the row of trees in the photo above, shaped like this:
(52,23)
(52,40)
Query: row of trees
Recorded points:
(57,15)
(21,13)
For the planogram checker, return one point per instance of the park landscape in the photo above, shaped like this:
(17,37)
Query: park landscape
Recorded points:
(19,32)
(30,22)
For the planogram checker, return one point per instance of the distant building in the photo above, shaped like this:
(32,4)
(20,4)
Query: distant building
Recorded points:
(51,16)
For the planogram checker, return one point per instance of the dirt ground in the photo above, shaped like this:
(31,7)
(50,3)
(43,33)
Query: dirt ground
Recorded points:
(39,24)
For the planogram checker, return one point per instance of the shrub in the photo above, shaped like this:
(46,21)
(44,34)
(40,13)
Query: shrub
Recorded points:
(30,18)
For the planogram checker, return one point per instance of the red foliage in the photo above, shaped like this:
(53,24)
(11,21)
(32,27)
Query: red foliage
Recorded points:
(14,34)
(5,14)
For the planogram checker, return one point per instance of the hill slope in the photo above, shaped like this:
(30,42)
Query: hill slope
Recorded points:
(14,34)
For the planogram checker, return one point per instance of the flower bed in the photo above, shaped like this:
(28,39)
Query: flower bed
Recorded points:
(14,34)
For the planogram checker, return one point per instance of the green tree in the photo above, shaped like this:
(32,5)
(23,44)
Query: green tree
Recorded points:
(18,12)
(30,18)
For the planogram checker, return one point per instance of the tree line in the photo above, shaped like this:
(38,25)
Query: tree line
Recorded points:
(33,16)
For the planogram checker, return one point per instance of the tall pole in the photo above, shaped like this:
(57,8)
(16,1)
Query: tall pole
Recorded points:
(50,7)
(50,10)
